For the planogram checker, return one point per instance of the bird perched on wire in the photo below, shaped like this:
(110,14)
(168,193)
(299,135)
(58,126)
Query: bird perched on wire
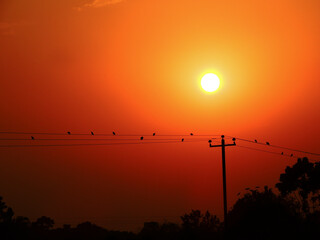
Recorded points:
(182,139)
(32,137)
(141,138)
(255,141)
(69,133)
(267,143)
(113,133)
(153,134)
(92,133)
(191,134)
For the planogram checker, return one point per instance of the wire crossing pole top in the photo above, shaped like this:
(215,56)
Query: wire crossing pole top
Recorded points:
(222,139)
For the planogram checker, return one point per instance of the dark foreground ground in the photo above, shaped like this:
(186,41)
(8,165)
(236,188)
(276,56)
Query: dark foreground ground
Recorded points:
(293,213)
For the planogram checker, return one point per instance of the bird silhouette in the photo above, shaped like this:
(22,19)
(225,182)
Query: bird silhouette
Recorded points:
(32,137)
(182,139)
(255,141)
(191,134)
(69,133)
(141,138)
(153,134)
(281,153)
(267,143)
(92,133)
(113,133)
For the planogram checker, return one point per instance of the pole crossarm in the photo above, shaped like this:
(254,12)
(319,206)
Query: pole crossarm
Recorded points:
(226,145)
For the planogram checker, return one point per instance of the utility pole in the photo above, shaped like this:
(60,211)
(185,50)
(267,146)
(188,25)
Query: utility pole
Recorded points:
(224,178)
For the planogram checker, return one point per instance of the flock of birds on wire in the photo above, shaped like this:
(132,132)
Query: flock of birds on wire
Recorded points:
(113,133)
(182,139)
(141,138)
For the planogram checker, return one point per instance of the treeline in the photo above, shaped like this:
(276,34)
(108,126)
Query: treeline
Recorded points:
(293,213)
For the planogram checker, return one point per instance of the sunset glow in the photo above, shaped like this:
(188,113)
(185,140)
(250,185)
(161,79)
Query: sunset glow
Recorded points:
(123,76)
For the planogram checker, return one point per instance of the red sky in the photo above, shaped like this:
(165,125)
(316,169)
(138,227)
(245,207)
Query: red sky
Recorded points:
(134,67)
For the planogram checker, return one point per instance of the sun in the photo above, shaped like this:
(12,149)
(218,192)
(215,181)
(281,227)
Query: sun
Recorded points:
(210,82)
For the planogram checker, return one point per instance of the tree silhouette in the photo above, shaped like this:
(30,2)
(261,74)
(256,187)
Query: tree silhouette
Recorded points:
(192,220)
(302,183)
(156,231)
(6,213)
(198,226)
(170,231)
(43,223)
(263,215)
(150,230)
(87,230)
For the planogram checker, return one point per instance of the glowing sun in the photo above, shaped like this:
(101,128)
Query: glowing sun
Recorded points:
(210,82)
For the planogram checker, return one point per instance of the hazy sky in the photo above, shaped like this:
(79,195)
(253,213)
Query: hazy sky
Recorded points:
(134,67)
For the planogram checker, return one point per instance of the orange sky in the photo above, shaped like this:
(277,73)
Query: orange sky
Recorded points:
(134,67)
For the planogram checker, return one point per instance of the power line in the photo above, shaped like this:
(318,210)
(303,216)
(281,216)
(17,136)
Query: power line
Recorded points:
(119,217)
(38,133)
(261,150)
(110,134)
(95,144)
(153,135)
(95,139)
(266,151)
(276,146)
